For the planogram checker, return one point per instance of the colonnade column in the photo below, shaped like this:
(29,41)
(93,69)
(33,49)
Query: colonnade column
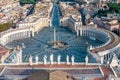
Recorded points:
(32,31)
(28,33)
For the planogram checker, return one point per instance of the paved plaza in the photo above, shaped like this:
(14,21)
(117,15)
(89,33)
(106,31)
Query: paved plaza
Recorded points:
(39,45)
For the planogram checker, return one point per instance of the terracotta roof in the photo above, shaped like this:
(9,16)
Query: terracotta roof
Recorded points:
(53,66)
(77,71)
(34,72)
(99,79)
(48,66)
(50,75)
(107,71)
(28,71)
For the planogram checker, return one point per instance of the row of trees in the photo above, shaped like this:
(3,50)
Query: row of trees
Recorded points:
(27,1)
(113,8)
(5,26)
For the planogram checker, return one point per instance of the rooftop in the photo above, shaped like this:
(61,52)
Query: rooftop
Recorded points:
(42,9)
(51,75)
(70,11)
(30,19)
(78,70)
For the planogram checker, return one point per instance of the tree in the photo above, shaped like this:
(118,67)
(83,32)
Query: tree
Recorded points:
(114,7)
(5,26)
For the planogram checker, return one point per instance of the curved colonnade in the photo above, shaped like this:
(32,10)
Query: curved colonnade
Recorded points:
(14,34)
(93,33)
(105,51)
